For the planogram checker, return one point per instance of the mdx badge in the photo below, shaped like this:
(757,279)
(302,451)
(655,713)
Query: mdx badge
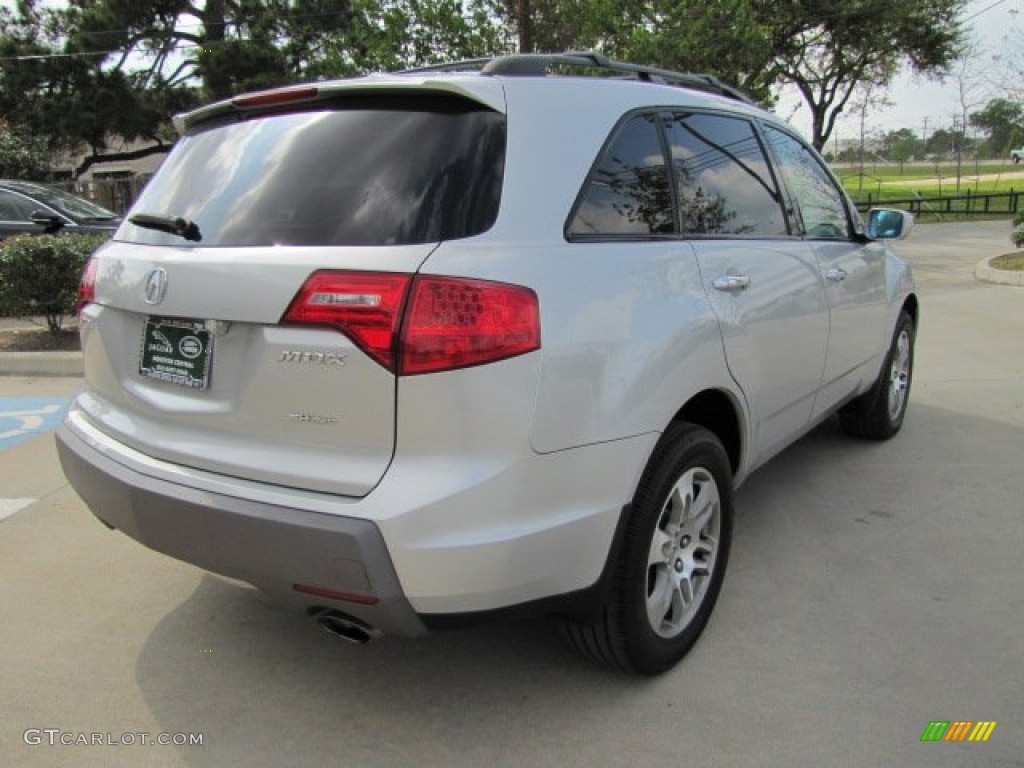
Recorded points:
(156,286)
(303,357)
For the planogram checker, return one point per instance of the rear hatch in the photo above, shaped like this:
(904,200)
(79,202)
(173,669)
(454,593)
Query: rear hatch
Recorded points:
(197,350)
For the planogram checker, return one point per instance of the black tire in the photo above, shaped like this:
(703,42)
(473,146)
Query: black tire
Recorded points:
(878,413)
(688,473)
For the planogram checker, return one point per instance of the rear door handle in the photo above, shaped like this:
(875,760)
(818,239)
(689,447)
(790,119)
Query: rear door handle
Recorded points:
(731,283)
(836,274)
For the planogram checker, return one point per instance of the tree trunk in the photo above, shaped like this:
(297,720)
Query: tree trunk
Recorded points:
(213,35)
(818,137)
(525,26)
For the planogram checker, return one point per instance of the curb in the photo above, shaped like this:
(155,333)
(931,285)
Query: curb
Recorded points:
(985,273)
(41,364)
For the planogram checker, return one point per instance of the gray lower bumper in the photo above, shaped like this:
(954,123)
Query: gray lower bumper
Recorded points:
(270,546)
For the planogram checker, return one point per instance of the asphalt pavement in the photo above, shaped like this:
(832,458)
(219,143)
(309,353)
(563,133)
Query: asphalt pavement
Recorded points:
(873,588)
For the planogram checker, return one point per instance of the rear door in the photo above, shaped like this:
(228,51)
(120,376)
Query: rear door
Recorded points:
(192,354)
(764,284)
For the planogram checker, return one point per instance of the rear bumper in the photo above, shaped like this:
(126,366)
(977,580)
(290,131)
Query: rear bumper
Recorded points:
(273,547)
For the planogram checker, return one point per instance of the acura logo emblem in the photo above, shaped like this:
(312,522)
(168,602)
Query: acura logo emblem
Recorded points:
(156,286)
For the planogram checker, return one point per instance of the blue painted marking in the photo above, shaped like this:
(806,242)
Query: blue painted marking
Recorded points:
(22,418)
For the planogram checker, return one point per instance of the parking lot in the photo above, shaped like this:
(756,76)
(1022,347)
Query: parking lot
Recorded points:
(872,589)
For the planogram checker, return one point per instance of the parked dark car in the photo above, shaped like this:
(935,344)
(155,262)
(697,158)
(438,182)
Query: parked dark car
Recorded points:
(36,209)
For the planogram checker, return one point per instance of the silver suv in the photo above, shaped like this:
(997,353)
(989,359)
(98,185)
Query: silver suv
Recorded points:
(501,337)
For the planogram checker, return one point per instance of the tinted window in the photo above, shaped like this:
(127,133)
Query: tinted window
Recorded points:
(14,207)
(629,191)
(821,203)
(722,178)
(72,206)
(367,171)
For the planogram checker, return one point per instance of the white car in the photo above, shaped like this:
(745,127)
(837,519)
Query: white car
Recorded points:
(419,350)
(1016,155)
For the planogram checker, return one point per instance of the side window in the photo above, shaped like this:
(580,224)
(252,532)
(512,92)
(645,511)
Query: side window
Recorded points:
(821,203)
(722,178)
(628,193)
(14,207)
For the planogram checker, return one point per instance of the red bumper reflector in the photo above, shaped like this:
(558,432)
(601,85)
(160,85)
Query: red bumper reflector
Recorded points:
(333,594)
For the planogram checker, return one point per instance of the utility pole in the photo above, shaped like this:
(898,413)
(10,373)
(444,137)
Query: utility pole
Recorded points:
(863,118)
(958,145)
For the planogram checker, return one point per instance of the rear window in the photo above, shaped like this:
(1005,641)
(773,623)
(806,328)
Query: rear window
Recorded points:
(396,170)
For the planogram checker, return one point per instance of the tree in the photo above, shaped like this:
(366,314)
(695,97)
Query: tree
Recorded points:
(388,35)
(902,146)
(51,89)
(22,156)
(942,143)
(1011,74)
(720,37)
(81,73)
(1003,121)
(827,49)
(93,69)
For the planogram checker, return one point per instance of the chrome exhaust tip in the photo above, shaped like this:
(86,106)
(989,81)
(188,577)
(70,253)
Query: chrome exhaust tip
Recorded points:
(347,627)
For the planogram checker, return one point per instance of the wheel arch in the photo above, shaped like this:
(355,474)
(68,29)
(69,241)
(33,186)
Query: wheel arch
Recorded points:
(910,306)
(719,413)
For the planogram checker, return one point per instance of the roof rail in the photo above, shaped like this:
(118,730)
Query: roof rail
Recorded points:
(537,64)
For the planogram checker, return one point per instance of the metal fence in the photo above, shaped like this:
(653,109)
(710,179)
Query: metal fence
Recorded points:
(117,193)
(967,204)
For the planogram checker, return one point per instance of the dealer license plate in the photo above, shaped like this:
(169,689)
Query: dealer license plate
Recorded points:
(178,351)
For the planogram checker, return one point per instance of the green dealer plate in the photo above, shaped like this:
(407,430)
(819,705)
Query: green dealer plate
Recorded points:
(178,351)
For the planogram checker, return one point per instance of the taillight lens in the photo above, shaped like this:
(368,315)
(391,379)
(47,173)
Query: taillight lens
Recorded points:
(365,306)
(455,323)
(449,322)
(86,286)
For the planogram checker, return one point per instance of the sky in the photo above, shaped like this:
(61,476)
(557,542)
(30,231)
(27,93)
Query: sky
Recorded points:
(997,27)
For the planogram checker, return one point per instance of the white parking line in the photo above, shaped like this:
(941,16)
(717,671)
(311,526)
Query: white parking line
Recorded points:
(9,506)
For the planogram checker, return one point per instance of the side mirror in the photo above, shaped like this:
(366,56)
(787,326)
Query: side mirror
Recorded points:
(50,222)
(889,224)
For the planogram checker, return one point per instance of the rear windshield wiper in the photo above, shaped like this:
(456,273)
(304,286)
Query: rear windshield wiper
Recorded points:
(169,224)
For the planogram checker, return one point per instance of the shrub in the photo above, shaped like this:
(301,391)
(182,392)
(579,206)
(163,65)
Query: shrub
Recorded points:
(1017,236)
(39,275)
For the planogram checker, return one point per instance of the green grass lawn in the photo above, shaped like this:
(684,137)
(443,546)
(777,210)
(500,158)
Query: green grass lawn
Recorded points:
(895,172)
(888,182)
(1014,261)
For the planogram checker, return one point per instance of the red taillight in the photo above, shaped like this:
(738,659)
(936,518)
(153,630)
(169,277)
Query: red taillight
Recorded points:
(365,306)
(86,286)
(449,322)
(455,323)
